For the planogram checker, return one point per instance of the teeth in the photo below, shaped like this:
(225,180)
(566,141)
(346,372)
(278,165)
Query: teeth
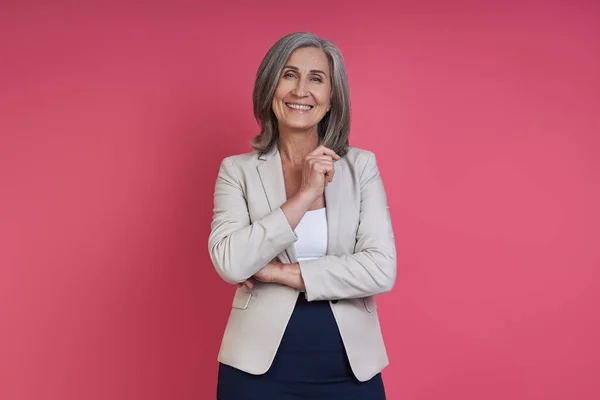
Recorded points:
(298,107)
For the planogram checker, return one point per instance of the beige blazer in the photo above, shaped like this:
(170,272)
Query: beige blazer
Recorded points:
(249,230)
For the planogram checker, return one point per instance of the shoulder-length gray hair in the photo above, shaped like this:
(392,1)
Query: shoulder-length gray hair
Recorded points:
(334,128)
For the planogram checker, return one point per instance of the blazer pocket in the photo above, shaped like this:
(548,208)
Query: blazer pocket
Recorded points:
(370,303)
(241,299)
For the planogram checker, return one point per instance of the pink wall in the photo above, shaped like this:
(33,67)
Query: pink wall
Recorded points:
(113,120)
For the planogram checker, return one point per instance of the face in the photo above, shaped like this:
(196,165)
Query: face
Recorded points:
(302,97)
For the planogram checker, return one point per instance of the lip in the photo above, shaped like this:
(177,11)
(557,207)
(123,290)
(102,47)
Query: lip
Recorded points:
(287,103)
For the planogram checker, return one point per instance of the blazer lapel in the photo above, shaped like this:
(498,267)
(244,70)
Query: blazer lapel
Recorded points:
(270,171)
(332,202)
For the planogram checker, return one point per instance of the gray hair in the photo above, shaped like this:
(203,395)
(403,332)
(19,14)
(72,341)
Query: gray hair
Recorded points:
(334,128)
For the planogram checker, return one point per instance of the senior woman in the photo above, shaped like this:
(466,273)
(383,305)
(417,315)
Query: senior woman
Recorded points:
(301,224)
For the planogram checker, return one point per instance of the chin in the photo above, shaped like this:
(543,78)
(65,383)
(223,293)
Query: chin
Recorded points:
(299,124)
(300,127)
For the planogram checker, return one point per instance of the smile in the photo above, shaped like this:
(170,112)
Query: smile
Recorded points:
(301,107)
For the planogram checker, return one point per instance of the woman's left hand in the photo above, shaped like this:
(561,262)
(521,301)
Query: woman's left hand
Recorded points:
(268,274)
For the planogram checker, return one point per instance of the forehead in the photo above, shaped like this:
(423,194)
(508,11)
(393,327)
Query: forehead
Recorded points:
(309,58)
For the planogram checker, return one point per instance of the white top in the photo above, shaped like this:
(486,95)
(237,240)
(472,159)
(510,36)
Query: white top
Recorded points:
(312,235)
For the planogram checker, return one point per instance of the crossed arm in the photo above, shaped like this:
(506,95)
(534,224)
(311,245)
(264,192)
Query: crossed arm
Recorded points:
(240,249)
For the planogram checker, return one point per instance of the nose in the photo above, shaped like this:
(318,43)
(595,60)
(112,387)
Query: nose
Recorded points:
(301,88)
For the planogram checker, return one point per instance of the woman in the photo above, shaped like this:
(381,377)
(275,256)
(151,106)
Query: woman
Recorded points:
(302,226)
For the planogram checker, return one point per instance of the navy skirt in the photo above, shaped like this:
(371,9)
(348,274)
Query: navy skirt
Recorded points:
(311,363)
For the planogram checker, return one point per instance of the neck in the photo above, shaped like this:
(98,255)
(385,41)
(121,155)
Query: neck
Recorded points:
(295,146)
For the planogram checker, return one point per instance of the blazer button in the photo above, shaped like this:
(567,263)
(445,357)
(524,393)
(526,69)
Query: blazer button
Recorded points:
(334,301)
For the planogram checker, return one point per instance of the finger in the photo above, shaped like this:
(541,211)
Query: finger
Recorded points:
(249,284)
(320,158)
(328,179)
(329,176)
(327,168)
(324,161)
(322,150)
(327,151)
(315,160)
(322,167)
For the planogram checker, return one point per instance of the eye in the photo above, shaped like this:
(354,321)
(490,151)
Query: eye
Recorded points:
(317,79)
(289,75)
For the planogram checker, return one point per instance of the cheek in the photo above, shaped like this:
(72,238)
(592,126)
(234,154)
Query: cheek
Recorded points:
(281,90)
(278,96)
(325,102)
(324,97)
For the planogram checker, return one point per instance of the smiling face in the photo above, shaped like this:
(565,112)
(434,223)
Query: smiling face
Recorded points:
(302,96)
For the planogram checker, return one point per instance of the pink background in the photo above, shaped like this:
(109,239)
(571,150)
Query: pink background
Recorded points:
(113,121)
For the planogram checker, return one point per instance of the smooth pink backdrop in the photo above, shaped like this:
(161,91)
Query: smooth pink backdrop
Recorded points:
(114,118)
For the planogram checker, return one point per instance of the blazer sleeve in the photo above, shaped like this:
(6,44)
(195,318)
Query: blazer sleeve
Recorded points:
(239,249)
(371,269)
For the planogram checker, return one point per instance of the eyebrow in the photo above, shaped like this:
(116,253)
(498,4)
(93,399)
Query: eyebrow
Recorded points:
(313,71)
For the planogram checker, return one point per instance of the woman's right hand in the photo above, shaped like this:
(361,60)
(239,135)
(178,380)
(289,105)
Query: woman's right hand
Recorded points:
(318,171)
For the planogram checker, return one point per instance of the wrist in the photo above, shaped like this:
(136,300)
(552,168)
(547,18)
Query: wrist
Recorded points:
(291,276)
(305,197)
(290,269)
(280,272)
